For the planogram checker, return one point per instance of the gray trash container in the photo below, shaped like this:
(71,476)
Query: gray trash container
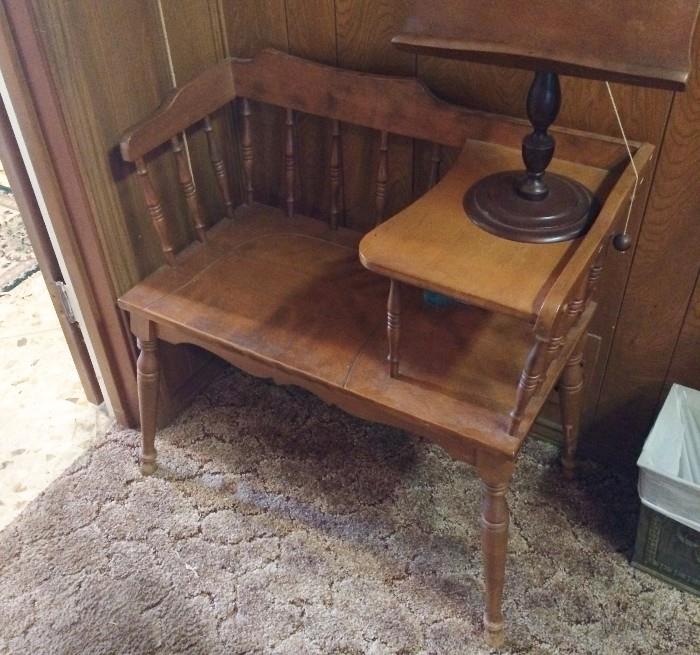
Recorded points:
(668,538)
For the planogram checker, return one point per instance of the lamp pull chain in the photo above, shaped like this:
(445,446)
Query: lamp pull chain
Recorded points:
(622,242)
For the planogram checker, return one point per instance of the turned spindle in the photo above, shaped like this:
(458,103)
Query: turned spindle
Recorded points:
(571,403)
(382,175)
(147,376)
(595,273)
(435,161)
(393,326)
(543,103)
(495,518)
(155,211)
(189,190)
(247,150)
(336,176)
(530,380)
(219,167)
(290,162)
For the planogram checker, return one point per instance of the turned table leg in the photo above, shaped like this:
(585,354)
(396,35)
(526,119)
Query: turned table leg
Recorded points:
(495,518)
(147,373)
(393,326)
(571,402)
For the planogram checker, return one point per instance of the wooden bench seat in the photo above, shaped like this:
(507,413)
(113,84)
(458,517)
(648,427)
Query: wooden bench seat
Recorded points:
(287,297)
(290,296)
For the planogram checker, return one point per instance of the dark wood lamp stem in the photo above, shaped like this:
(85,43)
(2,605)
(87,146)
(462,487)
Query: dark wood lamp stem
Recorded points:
(543,103)
(533,205)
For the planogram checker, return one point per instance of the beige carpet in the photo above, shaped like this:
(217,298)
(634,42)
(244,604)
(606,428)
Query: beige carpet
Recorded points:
(280,525)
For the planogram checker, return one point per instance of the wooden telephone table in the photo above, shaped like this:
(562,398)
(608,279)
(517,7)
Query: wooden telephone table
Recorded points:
(284,296)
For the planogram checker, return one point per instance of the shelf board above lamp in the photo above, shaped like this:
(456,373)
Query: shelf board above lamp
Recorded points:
(640,42)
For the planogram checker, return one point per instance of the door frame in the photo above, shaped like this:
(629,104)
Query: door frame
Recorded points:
(45,253)
(56,187)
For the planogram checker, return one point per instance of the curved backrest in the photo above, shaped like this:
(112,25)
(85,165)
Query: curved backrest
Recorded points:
(387,104)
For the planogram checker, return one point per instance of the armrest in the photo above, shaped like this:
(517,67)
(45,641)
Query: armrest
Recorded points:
(576,271)
(184,106)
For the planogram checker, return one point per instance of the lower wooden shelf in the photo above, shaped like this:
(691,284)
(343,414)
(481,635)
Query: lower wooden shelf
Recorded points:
(288,299)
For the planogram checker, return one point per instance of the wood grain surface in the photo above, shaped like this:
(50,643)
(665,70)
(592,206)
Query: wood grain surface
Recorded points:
(197,39)
(626,41)
(660,286)
(298,301)
(108,41)
(311,33)
(285,296)
(442,250)
(251,25)
(86,44)
(685,364)
(364,30)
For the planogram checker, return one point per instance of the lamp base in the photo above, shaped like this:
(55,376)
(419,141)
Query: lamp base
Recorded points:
(494,204)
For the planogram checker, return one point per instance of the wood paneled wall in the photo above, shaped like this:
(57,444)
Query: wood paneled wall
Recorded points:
(111,65)
(685,364)
(113,61)
(657,333)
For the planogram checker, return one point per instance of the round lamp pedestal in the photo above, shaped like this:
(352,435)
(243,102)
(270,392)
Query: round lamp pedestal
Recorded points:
(533,205)
(494,204)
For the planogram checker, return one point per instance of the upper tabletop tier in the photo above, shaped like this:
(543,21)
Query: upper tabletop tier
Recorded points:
(644,42)
(432,243)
